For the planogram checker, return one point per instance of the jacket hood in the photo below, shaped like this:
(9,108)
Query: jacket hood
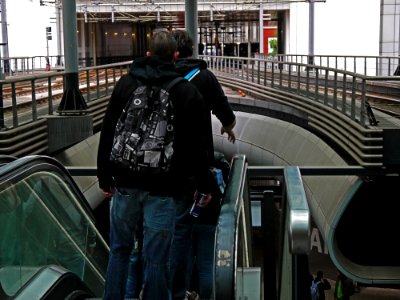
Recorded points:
(184,66)
(153,70)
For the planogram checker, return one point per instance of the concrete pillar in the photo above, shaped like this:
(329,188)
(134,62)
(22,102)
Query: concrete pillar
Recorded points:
(72,101)
(191,23)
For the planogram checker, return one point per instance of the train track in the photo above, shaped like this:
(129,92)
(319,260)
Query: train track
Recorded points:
(22,91)
(388,104)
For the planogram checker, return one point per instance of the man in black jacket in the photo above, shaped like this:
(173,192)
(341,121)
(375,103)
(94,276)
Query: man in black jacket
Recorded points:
(203,230)
(208,85)
(148,195)
(322,285)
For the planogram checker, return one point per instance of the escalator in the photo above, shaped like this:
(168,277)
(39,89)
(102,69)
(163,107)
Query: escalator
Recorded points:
(50,247)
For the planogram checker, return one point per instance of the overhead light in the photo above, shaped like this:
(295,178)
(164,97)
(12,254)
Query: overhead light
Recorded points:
(211,13)
(112,14)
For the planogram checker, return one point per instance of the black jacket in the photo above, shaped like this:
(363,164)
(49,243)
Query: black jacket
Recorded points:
(324,285)
(218,104)
(212,92)
(189,163)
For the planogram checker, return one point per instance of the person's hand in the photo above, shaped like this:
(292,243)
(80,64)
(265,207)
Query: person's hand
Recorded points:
(108,193)
(204,201)
(230,133)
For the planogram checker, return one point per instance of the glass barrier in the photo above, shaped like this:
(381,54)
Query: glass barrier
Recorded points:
(42,222)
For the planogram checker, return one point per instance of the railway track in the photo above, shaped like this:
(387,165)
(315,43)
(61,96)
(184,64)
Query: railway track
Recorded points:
(22,106)
(387,101)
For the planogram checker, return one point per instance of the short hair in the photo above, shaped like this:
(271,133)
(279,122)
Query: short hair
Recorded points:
(184,42)
(163,44)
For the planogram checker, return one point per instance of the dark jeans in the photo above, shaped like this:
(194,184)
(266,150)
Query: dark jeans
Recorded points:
(192,243)
(203,256)
(181,258)
(128,205)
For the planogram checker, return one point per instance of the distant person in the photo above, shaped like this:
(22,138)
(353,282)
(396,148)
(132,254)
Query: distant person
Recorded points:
(151,195)
(344,288)
(318,287)
(203,232)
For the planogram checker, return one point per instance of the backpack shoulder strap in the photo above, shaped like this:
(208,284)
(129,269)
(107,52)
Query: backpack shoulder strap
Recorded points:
(172,83)
(189,76)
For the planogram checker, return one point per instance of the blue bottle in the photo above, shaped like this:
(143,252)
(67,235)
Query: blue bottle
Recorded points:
(197,204)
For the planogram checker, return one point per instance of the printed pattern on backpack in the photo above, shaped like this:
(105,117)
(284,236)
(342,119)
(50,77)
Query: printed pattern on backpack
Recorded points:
(143,139)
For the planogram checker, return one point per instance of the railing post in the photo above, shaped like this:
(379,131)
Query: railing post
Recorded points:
(1,107)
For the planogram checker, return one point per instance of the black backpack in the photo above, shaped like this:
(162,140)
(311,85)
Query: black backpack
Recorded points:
(144,134)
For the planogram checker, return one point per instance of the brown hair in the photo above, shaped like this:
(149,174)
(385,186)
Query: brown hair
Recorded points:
(163,44)
(184,42)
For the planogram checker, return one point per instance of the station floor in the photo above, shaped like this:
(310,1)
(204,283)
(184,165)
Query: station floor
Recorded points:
(368,293)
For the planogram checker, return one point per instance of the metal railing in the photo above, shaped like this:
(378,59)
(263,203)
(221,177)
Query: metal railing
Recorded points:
(367,65)
(24,65)
(335,100)
(22,95)
(343,91)
(26,102)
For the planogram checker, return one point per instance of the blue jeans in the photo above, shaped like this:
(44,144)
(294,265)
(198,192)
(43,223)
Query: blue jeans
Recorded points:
(203,243)
(135,273)
(158,226)
(192,243)
(181,257)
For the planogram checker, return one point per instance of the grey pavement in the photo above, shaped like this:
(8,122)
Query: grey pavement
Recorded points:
(367,293)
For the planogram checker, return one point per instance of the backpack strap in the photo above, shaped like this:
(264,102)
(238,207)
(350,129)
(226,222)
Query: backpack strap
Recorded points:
(172,83)
(189,76)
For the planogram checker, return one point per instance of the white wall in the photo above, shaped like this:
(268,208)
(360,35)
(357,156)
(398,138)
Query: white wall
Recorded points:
(341,27)
(27,22)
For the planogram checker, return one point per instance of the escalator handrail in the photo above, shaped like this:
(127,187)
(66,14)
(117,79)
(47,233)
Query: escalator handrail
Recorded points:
(47,280)
(226,240)
(35,163)
(298,213)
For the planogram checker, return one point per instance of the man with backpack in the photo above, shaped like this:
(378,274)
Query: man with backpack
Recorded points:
(318,287)
(143,180)
(195,235)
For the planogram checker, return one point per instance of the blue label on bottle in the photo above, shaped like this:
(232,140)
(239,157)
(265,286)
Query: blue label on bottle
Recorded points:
(196,207)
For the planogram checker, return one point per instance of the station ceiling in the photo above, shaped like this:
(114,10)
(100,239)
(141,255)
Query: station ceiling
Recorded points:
(171,13)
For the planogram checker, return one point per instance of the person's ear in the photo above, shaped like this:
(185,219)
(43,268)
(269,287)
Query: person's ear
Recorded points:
(176,55)
(148,53)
